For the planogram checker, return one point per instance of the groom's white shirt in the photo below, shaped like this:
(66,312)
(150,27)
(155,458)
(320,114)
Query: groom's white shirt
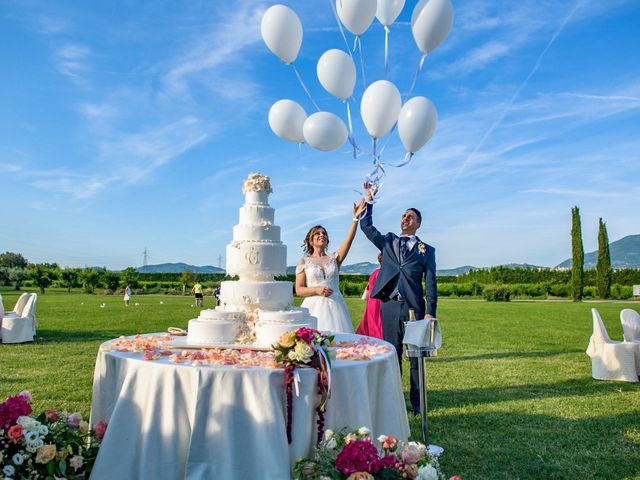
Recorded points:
(411,241)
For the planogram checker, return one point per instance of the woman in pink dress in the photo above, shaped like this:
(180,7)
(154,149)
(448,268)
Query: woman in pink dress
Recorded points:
(371,324)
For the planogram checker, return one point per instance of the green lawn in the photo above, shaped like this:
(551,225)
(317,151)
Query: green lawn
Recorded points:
(510,394)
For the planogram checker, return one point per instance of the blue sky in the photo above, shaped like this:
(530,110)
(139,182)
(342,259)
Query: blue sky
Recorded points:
(128,125)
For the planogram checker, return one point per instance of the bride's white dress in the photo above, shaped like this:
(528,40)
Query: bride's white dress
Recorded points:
(331,312)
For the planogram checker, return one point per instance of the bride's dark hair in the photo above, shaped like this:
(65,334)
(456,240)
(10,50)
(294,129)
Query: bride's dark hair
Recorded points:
(306,245)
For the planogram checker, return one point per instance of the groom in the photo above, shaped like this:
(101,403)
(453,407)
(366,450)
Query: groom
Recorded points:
(406,260)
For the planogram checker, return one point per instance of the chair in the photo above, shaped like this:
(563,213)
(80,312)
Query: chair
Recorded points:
(611,360)
(630,320)
(20,328)
(17,309)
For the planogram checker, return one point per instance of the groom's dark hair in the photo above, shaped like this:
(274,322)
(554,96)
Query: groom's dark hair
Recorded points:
(417,212)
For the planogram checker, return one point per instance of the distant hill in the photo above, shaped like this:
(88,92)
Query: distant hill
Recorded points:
(455,271)
(178,268)
(625,253)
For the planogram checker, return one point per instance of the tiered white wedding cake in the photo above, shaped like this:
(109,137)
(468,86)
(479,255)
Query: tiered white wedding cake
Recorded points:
(256,255)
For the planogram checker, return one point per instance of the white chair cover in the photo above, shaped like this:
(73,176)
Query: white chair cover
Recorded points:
(19,329)
(19,306)
(630,320)
(611,360)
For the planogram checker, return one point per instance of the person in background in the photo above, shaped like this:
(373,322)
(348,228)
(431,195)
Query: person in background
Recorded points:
(216,293)
(197,292)
(371,324)
(127,295)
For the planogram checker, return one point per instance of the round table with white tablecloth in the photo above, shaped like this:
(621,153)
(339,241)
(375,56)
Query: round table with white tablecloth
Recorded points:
(187,420)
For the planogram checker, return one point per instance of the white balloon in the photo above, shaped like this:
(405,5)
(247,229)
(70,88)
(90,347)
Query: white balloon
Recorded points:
(379,107)
(325,131)
(356,15)
(286,119)
(388,11)
(337,73)
(431,22)
(416,123)
(282,32)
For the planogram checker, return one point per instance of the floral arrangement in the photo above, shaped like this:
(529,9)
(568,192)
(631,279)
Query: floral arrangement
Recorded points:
(304,347)
(257,182)
(50,445)
(353,456)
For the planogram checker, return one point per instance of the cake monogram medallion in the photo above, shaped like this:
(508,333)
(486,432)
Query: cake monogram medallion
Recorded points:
(252,256)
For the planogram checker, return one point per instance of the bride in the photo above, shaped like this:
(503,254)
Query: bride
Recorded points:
(317,276)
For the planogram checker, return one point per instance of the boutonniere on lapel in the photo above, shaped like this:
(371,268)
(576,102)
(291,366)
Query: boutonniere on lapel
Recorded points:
(422,248)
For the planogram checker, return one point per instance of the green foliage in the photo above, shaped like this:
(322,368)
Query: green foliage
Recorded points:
(91,279)
(352,289)
(186,278)
(621,292)
(577,266)
(604,273)
(13,260)
(496,293)
(129,276)
(43,275)
(70,278)
(111,280)
(17,276)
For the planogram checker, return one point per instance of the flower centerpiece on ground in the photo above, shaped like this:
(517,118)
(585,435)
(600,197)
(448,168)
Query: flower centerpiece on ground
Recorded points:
(354,456)
(305,347)
(50,445)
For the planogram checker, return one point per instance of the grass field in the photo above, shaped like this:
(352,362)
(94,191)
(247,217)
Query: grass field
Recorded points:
(510,394)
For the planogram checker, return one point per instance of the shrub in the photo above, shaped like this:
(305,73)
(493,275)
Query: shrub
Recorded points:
(621,292)
(559,290)
(590,292)
(445,289)
(497,293)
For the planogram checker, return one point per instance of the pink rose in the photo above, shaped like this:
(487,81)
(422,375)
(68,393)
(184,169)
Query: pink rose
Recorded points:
(15,433)
(456,477)
(306,334)
(76,462)
(26,394)
(74,420)
(99,429)
(52,415)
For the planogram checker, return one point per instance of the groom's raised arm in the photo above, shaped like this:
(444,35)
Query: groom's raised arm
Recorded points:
(372,233)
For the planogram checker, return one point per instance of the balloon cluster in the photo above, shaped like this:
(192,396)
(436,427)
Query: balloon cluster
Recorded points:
(381,107)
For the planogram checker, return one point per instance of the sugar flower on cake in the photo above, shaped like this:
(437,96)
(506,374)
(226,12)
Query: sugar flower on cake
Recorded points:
(257,182)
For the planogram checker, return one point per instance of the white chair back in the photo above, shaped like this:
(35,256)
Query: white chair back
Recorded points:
(22,301)
(599,331)
(630,320)
(29,308)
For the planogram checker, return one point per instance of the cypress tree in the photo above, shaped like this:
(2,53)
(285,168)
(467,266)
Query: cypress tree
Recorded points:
(577,267)
(604,273)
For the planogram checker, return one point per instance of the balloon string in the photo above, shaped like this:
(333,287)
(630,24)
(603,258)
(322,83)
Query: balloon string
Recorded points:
(415,78)
(386,51)
(407,159)
(364,79)
(352,139)
(344,37)
(305,87)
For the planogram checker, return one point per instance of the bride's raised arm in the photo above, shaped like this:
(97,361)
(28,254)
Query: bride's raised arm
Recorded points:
(358,210)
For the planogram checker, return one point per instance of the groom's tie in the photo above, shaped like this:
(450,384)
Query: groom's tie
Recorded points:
(403,248)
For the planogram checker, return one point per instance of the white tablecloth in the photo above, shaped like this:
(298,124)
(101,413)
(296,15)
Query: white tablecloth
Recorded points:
(169,421)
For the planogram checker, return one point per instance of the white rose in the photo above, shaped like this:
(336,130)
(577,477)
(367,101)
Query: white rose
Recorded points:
(328,434)
(17,459)
(427,472)
(331,444)
(8,470)
(364,431)
(382,438)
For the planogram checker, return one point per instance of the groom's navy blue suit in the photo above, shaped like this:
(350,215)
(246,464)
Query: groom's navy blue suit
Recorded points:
(399,286)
